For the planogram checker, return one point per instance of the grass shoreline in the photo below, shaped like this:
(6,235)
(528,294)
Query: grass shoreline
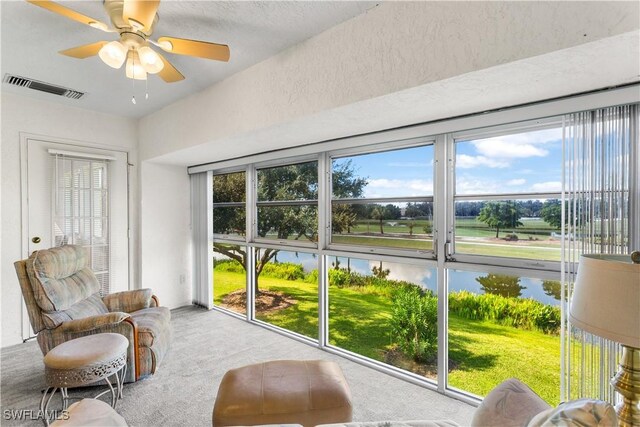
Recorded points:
(483,353)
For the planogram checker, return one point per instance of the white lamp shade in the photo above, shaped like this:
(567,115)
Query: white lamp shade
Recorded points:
(606,298)
(113,54)
(150,60)
(134,69)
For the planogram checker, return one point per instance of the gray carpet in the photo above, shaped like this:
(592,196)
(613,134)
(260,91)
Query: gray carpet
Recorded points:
(207,344)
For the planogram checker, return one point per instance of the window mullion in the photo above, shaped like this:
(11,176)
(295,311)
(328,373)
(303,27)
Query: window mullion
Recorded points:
(441,226)
(251,229)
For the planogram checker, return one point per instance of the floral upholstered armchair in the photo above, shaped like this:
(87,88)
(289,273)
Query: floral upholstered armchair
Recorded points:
(63,301)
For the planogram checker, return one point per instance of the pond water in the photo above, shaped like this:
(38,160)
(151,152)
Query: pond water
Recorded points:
(459,280)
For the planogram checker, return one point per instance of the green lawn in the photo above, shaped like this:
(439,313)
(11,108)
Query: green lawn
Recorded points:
(482,353)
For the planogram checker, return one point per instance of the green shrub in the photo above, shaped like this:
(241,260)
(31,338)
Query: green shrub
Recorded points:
(523,313)
(283,270)
(230,265)
(414,323)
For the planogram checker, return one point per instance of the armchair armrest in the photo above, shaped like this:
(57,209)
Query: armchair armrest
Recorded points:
(92,322)
(129,301)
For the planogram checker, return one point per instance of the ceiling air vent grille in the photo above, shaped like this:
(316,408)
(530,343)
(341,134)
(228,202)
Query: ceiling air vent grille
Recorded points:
(42,86)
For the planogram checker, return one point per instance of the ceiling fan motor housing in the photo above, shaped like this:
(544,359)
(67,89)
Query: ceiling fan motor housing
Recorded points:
(115,10)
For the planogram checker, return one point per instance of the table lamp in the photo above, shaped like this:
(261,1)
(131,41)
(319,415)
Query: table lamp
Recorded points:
(606,302)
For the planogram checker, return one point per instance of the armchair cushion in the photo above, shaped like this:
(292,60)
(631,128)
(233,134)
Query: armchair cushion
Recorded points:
(91,306)
(93,322)
(153,324)
(128,301)
(577,413)
(61,277)
(510,403)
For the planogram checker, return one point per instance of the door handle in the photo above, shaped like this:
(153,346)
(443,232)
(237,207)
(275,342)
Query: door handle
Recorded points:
(36,239)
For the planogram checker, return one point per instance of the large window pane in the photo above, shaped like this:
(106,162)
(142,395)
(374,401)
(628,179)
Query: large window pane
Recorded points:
(286,288)
(229,211)
(391,225)
(230,277)
(526,162)
(503,326)
(386,311)
(509,228)
(398,173)
(287,202)
(384,199)
(507,191)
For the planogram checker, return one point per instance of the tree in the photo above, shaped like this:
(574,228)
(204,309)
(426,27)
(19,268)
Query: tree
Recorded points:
(343,218)
(551,213)
(553,288)
(298,182)
(501,284)
(379,272)
(411,223)
(378,213)
(503,214)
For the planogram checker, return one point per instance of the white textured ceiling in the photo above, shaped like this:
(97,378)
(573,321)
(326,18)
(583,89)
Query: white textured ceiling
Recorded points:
(31,38)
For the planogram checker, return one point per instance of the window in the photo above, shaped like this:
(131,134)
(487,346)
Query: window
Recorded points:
(229,212)
(230,277)
(499,323)
(341,248)
(288,202)
(386,311)
(507,195)
(286,290)
(384,200)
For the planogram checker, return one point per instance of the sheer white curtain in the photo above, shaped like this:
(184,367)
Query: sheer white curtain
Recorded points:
(602,215)
(202,238)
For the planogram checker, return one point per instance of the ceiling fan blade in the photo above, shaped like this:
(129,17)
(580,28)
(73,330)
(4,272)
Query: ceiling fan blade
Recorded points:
(169,73)
(84,51)
(142,12)
(219,52)
(71,14)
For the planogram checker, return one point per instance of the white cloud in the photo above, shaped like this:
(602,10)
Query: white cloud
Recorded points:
(410,273)
(516,181)
(508,149)
(464,161)
(384,187)
(541,187)
(472,185)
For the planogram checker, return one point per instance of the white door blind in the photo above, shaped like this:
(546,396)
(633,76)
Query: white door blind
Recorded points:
(81,210)
(601,215)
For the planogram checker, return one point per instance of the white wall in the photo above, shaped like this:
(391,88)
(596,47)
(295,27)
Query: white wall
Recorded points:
(25,115)
(165,233)
(393,47)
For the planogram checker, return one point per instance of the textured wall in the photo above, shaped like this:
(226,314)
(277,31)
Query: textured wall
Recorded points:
(21,114)
(165,261)
(393,47)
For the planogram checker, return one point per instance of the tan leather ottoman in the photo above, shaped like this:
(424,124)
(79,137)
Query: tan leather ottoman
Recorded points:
(307,392)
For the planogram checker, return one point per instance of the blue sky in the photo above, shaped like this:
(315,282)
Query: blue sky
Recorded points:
(525,162)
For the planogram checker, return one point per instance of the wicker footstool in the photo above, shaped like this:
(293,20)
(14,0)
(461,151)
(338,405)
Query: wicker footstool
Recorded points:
(306,392)
(84,361)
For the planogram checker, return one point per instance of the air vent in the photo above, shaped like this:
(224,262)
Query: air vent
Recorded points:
(42,86)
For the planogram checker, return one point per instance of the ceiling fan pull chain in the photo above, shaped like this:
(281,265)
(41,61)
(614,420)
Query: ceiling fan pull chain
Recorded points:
(146,89)
(133,87)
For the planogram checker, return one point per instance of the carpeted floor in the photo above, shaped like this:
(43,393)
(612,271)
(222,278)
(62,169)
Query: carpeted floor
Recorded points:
(207,344)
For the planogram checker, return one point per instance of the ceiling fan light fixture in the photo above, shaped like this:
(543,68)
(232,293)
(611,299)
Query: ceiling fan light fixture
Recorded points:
(150,60)
(134,69)
(113,54)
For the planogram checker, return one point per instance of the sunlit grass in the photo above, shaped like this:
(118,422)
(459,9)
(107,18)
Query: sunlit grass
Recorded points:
(482,353)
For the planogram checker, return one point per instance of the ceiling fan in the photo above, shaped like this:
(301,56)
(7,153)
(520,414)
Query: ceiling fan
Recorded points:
(134,21)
